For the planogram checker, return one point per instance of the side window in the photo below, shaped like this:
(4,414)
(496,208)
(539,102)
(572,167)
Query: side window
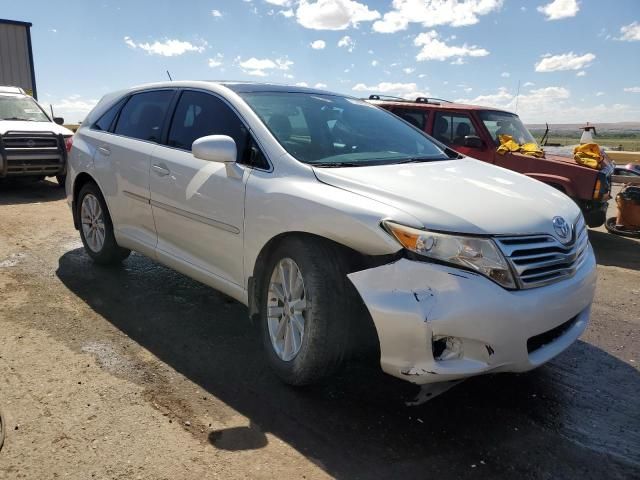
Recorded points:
(105,122)
(417,118)
(143,115)
(200,114)
(452,128)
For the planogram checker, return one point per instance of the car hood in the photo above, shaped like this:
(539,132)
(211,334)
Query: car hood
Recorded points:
(463,196)
(10,125)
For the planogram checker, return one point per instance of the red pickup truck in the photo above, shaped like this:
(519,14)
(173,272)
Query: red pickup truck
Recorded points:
(473,131)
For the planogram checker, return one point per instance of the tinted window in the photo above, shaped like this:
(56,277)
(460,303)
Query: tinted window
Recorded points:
(200,114)
(329,130)
(107,118)
(143,115)
(417,118)
(452,128)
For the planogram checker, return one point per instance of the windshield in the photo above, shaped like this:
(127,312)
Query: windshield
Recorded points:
(503,123)
(332,131)
(21,108)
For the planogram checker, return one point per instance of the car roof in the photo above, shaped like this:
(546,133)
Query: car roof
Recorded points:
(235,86)
(435,105)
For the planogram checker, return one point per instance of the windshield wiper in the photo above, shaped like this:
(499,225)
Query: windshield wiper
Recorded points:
(419,160)
(19,119)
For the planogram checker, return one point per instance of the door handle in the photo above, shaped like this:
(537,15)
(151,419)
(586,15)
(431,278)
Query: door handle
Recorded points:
(104,150)
(160,170)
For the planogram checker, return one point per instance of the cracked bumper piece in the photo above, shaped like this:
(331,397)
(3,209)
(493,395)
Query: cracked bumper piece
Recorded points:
(436,323)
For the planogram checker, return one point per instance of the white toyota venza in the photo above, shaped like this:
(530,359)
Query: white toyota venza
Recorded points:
(338,225)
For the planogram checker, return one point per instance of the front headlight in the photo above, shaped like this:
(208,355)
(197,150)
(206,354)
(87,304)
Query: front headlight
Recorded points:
(474,253)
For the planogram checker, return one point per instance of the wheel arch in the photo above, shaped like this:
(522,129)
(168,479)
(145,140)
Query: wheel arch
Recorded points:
(79,181)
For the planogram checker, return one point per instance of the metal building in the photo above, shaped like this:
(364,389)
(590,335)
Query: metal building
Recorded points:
(16,56)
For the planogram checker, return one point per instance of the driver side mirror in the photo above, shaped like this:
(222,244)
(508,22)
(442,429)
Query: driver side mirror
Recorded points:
(473,142)
(215,148)
(58,120)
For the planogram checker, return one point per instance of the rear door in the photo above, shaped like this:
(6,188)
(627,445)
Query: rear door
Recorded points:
(198,206)
(451,128)
(123,160)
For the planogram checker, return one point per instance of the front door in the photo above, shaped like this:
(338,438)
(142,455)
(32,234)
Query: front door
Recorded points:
(198,206)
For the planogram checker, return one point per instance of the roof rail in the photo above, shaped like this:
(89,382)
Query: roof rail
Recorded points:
(389,97)
(435,101)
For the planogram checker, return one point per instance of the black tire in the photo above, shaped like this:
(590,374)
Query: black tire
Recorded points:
(329,314)
(611,227)
(61,180)
(110,253)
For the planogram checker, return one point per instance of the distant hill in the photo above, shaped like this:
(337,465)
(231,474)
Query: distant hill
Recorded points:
(618,127)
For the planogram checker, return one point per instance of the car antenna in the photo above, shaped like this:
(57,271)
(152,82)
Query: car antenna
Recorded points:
(517,95)
(169,75)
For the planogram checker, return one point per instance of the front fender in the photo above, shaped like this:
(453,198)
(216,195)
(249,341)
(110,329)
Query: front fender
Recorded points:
(564,182)
(275,206)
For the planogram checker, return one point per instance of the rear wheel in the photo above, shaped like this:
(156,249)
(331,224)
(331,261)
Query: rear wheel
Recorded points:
(305,311)
(96,229)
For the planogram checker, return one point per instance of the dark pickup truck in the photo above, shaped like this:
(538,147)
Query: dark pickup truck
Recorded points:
(473,131)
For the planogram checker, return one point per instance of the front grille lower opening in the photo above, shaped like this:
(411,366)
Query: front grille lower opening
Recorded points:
(539,341)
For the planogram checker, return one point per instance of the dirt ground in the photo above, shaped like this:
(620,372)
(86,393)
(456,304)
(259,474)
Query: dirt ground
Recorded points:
(139,372)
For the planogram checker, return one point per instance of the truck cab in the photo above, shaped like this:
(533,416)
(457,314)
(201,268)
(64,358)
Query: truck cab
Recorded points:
(33,145)
(474,131)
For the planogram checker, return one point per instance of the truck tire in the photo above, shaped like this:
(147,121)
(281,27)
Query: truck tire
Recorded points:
(96,228)
(305,310)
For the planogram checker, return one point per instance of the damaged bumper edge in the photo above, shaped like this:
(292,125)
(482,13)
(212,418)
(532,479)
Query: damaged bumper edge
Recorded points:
(436,323)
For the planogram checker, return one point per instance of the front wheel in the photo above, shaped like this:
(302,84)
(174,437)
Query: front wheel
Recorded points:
(305,311)
(96,229)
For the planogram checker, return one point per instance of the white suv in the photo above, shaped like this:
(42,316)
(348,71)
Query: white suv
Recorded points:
(32,144)
(327,217)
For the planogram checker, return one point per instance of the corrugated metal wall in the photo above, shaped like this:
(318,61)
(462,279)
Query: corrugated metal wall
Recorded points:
(15,68)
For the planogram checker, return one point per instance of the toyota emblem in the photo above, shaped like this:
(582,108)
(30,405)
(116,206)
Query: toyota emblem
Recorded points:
(31,143)
(562,229)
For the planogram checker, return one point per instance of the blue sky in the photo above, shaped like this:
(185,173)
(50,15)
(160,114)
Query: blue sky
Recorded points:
(575,60)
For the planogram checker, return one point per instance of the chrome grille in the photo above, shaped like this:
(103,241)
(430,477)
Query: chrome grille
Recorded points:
(539,260)
(31,153)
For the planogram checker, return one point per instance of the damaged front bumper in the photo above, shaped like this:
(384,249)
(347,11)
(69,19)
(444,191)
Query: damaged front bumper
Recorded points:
(437,323)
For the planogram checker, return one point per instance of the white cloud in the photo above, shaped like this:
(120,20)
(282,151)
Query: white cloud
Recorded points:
(333,14)
(581,73)
(528,84)
(216,13)
(347,42)
(630,33)
(302,84)
(435,49)
(318,44)
(320,85)
(558,9)
(279,3)
(505,74)
(553,104)
(215,61)
(409,70)
(458,61)
(374,63)
(72,107)
(565,61)
(260,67)
(404,90)
(167,48)
(599,94)
(286,13)
(632,89)
(431,13)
